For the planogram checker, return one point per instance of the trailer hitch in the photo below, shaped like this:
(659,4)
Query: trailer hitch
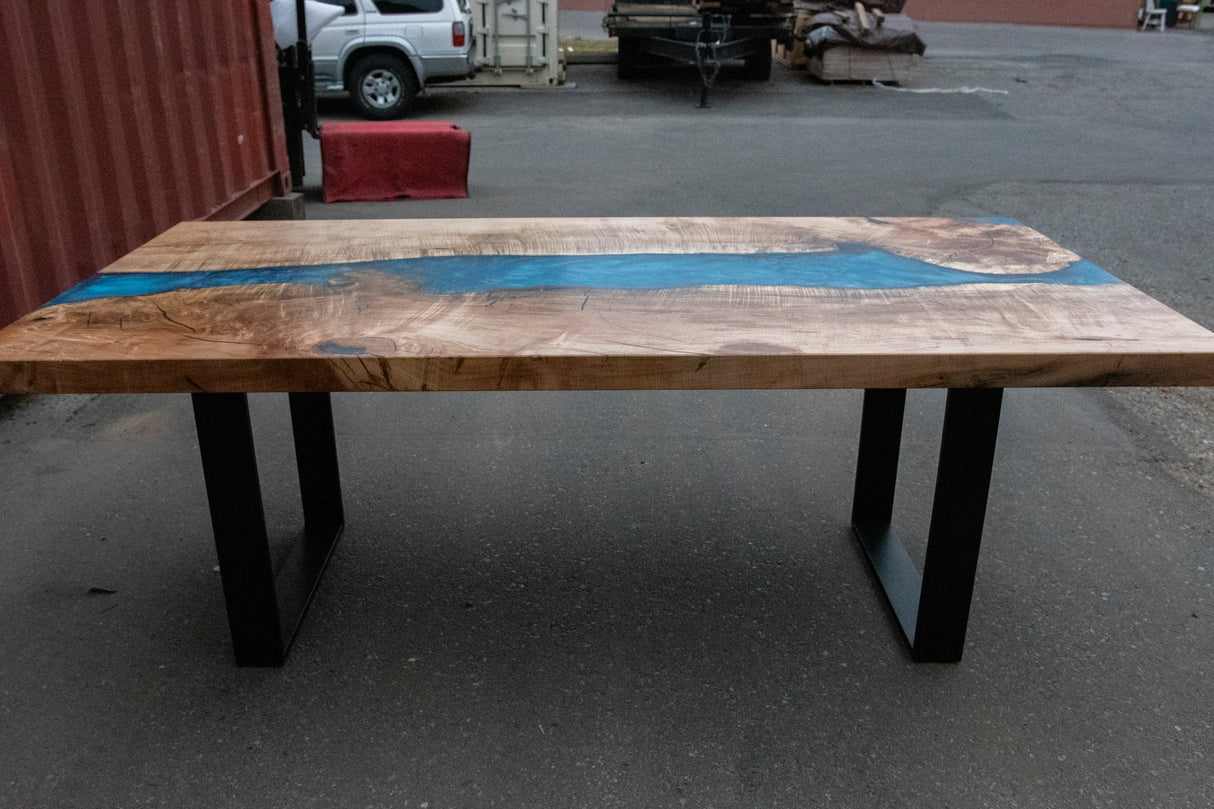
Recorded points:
(714,30)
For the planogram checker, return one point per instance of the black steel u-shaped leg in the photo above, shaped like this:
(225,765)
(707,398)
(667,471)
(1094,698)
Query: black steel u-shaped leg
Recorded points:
(265,607)
(932,606)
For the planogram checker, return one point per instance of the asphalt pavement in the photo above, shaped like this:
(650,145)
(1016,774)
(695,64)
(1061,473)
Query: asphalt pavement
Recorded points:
(653,599)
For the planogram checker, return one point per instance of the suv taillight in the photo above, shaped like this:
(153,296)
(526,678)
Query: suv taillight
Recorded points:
(457,34)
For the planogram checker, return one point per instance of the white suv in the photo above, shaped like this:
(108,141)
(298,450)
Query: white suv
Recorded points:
(384,51)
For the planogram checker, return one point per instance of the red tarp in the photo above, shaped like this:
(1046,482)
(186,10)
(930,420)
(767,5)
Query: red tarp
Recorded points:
(373,161)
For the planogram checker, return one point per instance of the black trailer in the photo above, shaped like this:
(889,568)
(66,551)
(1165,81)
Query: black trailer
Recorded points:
(703,34)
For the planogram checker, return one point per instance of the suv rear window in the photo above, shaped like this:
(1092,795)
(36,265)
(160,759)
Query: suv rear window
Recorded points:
(408,6)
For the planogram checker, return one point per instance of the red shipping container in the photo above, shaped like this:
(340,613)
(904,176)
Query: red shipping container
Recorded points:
(121,118)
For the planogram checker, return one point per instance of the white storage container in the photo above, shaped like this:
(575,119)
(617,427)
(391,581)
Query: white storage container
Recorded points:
(516,42)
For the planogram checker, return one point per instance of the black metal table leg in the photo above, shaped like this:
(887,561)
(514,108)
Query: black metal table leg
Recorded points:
(873,503)
(265,607)
(932,607)
(320,491)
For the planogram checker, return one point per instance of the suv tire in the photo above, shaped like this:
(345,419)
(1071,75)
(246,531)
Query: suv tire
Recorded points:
(382,86)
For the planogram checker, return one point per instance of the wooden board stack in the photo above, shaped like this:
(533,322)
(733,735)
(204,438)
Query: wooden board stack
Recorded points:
(862,64)
(846,62)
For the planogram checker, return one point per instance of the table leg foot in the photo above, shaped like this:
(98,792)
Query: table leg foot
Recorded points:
(265,607)
(932,607)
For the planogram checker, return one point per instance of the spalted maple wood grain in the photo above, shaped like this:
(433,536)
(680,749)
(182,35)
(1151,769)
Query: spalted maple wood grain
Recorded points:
(962,244)
(363,328)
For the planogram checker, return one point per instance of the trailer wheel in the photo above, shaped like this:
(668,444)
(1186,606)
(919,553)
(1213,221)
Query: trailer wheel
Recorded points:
(628,54)
(758,64)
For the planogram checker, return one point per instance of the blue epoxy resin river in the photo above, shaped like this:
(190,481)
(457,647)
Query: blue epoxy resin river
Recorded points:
(844,268)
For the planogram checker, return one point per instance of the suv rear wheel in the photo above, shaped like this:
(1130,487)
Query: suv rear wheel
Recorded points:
(382,86)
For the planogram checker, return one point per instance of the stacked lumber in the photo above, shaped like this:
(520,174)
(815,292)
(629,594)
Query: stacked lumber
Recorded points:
(862,64)
(631,14)
(860,42)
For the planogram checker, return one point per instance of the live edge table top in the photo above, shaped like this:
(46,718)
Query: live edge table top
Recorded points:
(600,304)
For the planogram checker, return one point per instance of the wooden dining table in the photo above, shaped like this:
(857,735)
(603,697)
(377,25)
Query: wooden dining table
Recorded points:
(221,310)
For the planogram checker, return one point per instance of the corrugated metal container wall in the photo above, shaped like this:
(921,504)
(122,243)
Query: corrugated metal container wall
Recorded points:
(120,118)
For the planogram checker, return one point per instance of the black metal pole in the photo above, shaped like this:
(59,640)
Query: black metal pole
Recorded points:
(301,23)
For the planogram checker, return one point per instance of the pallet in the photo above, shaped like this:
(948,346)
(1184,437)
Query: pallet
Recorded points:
(792,56)
(846,63)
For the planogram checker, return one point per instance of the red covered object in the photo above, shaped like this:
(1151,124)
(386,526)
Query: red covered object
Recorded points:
(373,161)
